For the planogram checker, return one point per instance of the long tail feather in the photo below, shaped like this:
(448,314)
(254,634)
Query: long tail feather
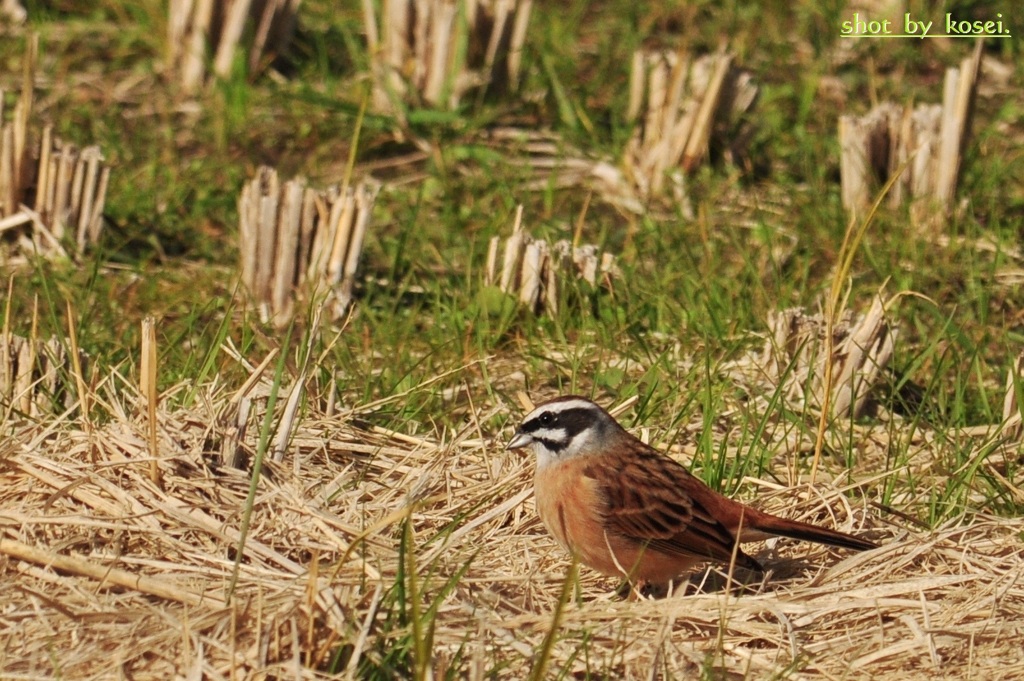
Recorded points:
(795,529)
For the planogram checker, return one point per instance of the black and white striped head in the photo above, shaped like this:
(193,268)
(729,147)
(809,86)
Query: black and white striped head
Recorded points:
(564,427)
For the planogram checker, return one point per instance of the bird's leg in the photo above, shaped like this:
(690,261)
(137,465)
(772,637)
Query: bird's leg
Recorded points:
(645,590)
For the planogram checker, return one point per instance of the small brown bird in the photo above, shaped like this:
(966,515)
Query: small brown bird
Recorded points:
(627,510)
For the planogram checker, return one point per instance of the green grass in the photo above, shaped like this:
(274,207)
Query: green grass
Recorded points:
(171,211)
(701,286)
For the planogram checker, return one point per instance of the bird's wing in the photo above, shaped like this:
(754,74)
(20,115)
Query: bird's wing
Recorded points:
(653,500)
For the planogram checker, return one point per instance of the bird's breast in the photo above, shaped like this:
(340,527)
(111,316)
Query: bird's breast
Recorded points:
(570,506)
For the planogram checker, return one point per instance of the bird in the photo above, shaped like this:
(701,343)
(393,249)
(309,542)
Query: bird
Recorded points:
(625,509)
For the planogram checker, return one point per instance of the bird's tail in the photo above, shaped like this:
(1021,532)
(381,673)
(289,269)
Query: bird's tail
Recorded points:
(760,525)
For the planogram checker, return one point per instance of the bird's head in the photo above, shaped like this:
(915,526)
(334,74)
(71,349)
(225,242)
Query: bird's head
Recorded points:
(563,428)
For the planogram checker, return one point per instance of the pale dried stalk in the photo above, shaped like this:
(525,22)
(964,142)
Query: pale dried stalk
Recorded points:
(439,54)
(234,22)
(365,196)
(697,142)
(859,359)
(232,451)
(520,23)
(958,96)
(266,238)
(273,31)
(69,192)
(13,11)
(864,152)
(286,426)
(422,50)
(683,100)
(196,28)
(193,57)
(8,182)
(6,358)
(954,589)
(1011,405)
(22,392)
(14,161)
(637,82)
(792,361)
(178,14)
(288,229)
(295,240)
(95,223)
(532,270)
(22,113)
(106,574)
(924,144)
(30,379)
(534,257)
(147,388)
(16,220)
(342,226)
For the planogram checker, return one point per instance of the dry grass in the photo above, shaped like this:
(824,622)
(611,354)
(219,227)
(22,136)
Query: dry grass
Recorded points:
(379,554)
(107,574)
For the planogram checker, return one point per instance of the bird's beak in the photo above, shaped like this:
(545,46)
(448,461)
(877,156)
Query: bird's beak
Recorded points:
(519,440)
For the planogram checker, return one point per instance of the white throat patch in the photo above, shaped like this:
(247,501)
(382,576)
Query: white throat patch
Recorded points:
(570,445)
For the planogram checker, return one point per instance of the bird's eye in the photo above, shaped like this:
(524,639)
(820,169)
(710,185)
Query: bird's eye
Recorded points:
(546,419)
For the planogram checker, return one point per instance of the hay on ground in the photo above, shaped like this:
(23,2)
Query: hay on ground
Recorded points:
(105,572)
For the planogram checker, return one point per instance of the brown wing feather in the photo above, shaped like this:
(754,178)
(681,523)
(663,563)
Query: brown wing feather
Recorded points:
(654,503)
